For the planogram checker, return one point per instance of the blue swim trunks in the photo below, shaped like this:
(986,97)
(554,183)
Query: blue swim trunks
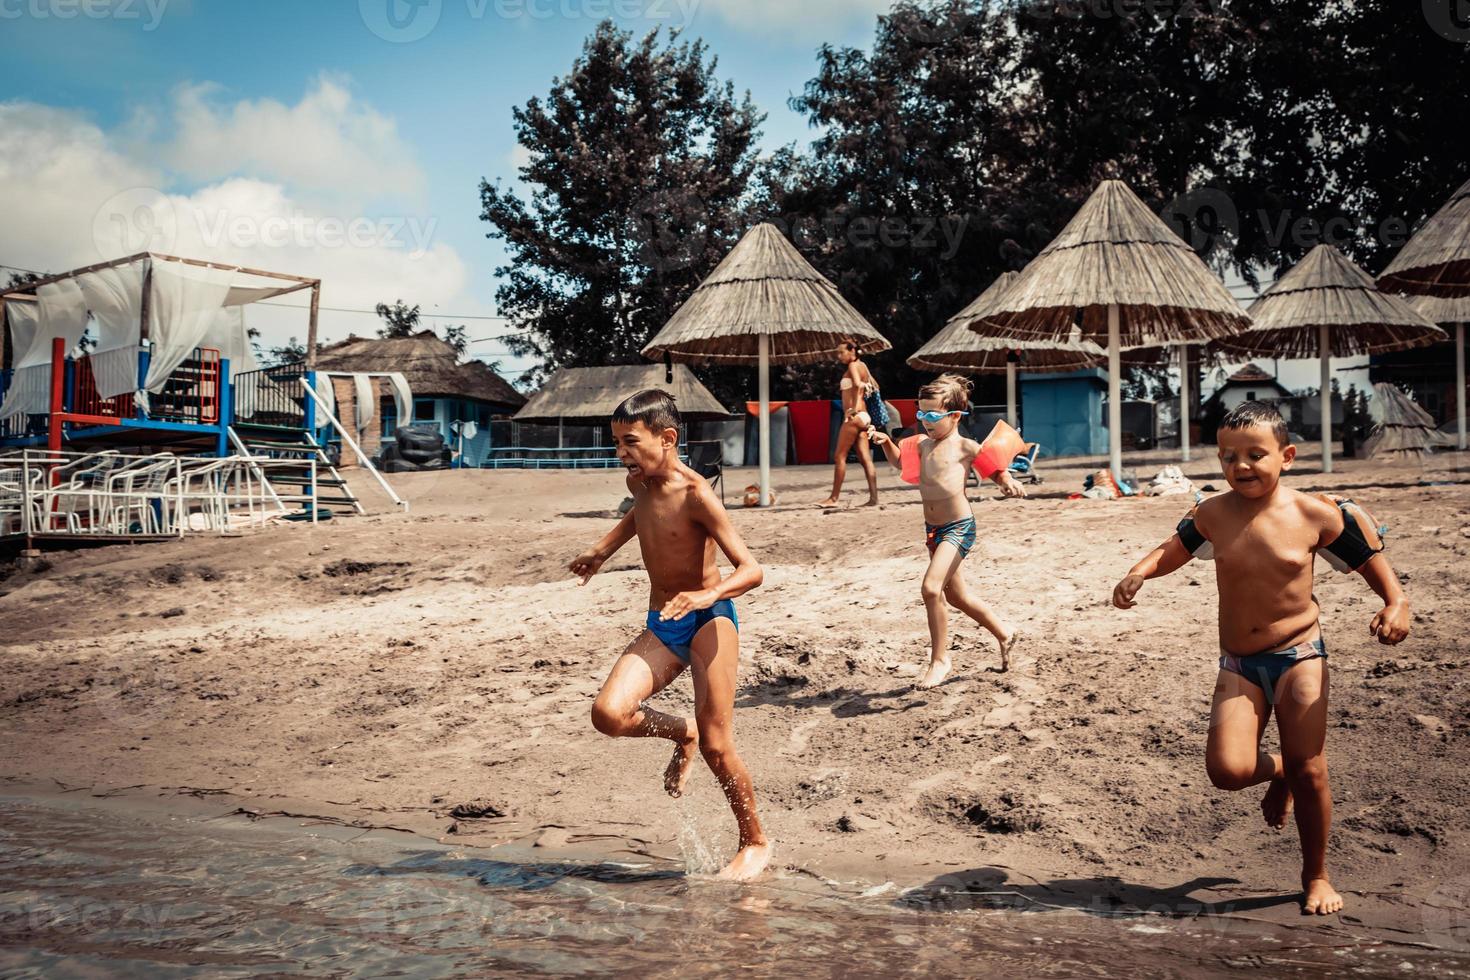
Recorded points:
(1265,669)
(678,634)
(960,533)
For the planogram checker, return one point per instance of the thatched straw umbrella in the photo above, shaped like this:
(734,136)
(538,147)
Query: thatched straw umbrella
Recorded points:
(1329,307)
(1436,261)
(763,304)
(959,348)
(1446,312)
(1404,430)
(1117,271)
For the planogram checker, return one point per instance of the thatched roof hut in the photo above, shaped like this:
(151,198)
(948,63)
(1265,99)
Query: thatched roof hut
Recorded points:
(430,364)
(1326,289)
(763,287)
(1436,261)
(959,348)
(1117,253)
(1404,429)
(581,396)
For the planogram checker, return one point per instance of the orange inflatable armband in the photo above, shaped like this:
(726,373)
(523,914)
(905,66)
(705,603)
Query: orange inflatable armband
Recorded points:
(908,455)
(1002,446)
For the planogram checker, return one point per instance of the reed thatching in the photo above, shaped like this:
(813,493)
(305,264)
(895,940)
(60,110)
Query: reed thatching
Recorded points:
(589,395)
(763,286)
(1440,309)
(1436,261)
(1115,251)
(431,366)
(1404,430)
(958,348)
(1327,289)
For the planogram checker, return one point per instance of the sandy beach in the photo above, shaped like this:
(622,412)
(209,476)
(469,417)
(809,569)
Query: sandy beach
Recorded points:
(434,672)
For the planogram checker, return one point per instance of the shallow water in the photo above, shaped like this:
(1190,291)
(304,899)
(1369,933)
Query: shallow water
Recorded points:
(91,890)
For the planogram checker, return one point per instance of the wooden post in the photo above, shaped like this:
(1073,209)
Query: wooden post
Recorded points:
(763,422)
(1324,349)
(1011,416)
(316,299)
(1460,379)
(1184,402)
(1115,394)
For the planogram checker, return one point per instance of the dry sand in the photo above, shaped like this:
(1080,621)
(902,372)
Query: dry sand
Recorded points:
(387,669)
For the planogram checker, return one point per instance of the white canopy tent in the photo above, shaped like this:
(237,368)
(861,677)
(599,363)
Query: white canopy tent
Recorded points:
(169,304)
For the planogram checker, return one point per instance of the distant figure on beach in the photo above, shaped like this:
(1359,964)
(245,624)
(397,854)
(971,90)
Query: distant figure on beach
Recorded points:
(862,408)
(691,621)
(945,458)
(1263,537)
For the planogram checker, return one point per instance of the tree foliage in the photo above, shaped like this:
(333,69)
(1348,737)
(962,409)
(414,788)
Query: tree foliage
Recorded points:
(639,161)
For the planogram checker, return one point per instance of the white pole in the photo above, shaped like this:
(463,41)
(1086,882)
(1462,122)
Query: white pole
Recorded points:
(1460,377)
(1115,395)
(1011,416)
(1184,402)
(764,419)
(1324,348)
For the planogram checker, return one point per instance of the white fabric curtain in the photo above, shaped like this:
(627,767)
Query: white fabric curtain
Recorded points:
(60,311)
(245,295)
(32,378)
(402,398)
(184,307)
(365,390)
(115,297)
(327,396)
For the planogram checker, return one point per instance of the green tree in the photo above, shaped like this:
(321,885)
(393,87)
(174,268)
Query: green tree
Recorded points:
(399,320)
(639,162)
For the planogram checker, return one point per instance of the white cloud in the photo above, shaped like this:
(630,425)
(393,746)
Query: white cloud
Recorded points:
(73,194)
(810,18)
(327,142)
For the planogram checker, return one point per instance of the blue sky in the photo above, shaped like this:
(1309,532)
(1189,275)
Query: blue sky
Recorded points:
(253,132)
(328,109)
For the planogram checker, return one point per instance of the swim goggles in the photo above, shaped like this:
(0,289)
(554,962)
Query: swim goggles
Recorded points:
(938,416)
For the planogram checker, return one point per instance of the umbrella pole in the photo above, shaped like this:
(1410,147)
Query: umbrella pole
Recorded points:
(1184,402)
(1460,378)
(1115,395)
(764,422)
(1324,346)
(1011,417)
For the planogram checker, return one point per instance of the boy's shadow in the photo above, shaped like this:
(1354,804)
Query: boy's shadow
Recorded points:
(990,888)
(842,702)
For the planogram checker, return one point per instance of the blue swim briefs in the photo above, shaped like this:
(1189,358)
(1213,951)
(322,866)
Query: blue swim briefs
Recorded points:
(678,634)
(960,533)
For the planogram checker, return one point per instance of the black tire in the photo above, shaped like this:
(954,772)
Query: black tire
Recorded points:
(419,437)
(416,455)
(400,466)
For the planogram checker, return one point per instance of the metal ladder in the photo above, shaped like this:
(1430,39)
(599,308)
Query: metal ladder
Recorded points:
(296,487)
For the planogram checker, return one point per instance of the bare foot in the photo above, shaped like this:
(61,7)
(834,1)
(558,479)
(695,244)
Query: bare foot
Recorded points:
(872,502)
(935,675)
(1321,898)
(1276,804)
(748,862)
(1006,647)
(677,774)
(828,503)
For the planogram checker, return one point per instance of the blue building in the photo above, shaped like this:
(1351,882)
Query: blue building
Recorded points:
(445,389)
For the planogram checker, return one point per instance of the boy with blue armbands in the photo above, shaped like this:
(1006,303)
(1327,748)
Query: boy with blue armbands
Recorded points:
(1263,538)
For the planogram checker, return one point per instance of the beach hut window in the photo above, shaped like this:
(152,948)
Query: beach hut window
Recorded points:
(423,409)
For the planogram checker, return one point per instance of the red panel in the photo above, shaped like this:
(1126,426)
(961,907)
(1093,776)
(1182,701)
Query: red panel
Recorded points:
(908,409)
(811,424)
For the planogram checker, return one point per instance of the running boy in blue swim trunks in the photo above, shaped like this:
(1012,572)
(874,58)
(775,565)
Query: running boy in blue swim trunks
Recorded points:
(945,458)
(1263,538)
(691,621)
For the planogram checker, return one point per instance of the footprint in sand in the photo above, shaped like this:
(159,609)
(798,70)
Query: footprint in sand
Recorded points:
(798,741)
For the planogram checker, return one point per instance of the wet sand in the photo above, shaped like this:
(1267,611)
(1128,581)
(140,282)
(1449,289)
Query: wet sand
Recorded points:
(433,672)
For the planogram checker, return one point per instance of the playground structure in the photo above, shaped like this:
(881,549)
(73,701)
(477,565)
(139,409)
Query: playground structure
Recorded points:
(167,424)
